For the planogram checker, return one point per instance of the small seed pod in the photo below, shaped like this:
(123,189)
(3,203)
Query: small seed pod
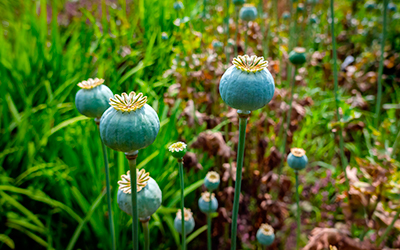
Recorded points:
(204,203)
(392,7)
(231,42)
(217,45)
(370,6)
(312,1)
(178,149)
(286,15)
(297,56)
(248,12)
(129,124)
(247,85)
(238,2)
(178,6)
(297,159)
(212,180)
(265,235)
(313,19)
(300,7)
(164,36)
(92,99)
(149,195)
(188,220)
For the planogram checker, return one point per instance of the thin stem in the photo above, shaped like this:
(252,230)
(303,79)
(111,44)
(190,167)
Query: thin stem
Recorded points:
(335,79)
(395,144)
(298,211)
(289,114)
(245,38)
(209,226)
(378,243)
(107,170)
(227,31)
(243,115)
(380,70)
(110,214)
(236,29)
(146,232)
(180,162)
(264,37)
(135,220)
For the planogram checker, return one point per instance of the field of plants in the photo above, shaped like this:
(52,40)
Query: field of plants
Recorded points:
(337,96)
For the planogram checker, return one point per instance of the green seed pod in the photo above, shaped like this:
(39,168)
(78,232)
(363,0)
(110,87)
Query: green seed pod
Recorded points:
(265,235)
(188,220)
(178,149)
(370,6)
(300,7)
(212,180)
(297,159)
(217,45)
(149,195)
(164,36)
(204,203)
(286,15)
(312,1)
(313,19)
(92,99)
(129,124)
(297,56)
(178,6)
(247,85)
(248,12)
(238,2)
(392,7)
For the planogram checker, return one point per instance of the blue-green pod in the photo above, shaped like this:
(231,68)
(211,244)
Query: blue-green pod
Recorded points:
(178,6)
(178,149)
(370,6)
(265,235)
(248,12)
(313,19)
(392,7)
(217,45)
(164,36)
(247,85)
(189,221)
(93,98)
(238,2)
(130,124)
(300,7)
(149,194)
(204,203)
(286,15)
(212,180)
(297,159)
(297,56)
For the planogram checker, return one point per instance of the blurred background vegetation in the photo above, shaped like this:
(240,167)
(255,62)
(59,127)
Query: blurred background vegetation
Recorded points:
(52,177)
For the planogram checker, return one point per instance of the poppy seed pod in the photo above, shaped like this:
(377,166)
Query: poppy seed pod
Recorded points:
(129,124)
(300,7)
(248,12)
(212,180)
(286,15)
(178,149)
(178,6)
(297,159)
(188,220)
(313,19)
(297,56)
(204,203)
(369,6)
(247,85)
(265,235)
(149,195)
(92,99)
(392,7)
(238,2)
(217,45)
(164,36)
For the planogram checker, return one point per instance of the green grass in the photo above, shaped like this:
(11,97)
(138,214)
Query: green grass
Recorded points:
(52,176)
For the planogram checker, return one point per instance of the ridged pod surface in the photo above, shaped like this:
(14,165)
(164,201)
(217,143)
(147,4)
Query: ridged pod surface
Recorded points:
(189,221)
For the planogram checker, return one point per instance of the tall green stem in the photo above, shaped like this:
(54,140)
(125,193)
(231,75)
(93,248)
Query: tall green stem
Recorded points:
(107,170)
(298,211)
(245,38)
(380,70)
(335,79)
(236,29)
(243,115)
(378,243)
(131,156)
(180,162)
(289,114)
(395,144)
(227,31)
(209,226)
(146,232)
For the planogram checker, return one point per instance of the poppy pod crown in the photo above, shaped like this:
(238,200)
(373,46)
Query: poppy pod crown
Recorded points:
(265,235)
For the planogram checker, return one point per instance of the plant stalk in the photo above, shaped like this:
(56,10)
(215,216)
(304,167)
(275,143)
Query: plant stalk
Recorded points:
(388,229)
(209,226)
(146,232)
(180,162)
(245,38)
(108,189)
(243,115)
(132,156)
(227,31)
(380,70)
(298,211)
(335,79)
(236,29)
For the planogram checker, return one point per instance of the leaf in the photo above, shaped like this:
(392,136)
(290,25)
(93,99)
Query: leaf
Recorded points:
(187,191)
(196,233)
(7,240)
